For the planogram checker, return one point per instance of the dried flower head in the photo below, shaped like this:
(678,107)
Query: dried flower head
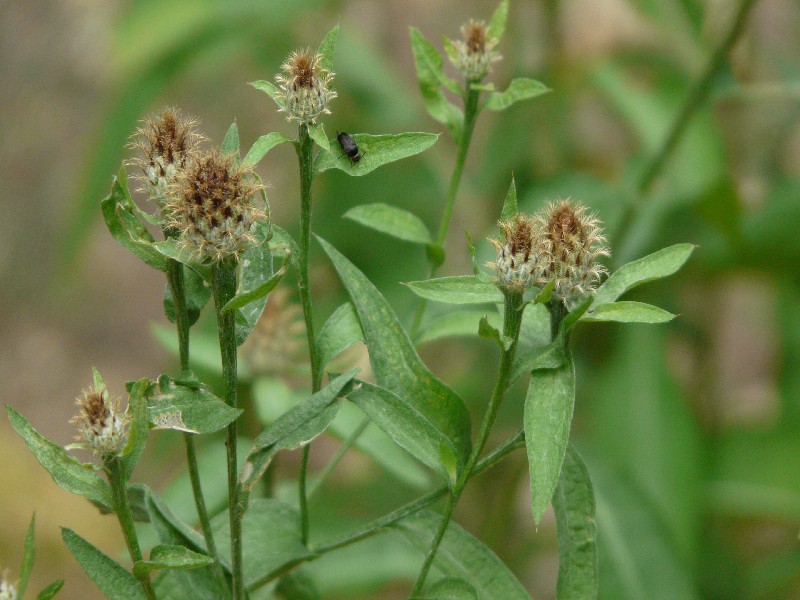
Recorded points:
(570,242)
(166,142)
(101,425)
(516,254)
(304,87)
(277,344)
(475,53)
(211,205)
(7,590)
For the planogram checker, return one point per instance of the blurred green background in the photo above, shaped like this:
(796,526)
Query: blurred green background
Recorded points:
(691,430)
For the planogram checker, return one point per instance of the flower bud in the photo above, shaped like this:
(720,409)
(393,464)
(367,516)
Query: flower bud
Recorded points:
(475,54)
(516,255)
(210,205)
(101,426)
(304,87)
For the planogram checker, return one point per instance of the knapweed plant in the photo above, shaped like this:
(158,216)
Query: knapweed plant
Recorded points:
(215,241)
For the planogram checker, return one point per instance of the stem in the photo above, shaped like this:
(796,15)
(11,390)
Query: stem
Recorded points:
(512,320)
(346,445)
(122,508)
(223,286)
(178,289)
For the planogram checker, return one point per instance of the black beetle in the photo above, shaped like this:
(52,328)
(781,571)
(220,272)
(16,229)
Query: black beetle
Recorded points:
(349,146)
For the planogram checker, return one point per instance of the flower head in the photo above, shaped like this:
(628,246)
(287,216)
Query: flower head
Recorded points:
(516,254)
(166,142)
(475,53)
(210,204)
(7,590)
(304,87)
(101,425)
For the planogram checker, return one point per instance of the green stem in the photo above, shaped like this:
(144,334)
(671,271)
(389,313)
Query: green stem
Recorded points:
(346,445)
(178,289)
(223,286)
(512,321)
(122,508)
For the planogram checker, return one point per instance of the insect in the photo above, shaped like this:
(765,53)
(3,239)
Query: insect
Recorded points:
(349,146)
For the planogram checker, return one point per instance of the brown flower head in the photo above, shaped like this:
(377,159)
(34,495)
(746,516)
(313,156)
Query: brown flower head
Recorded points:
(304,87)
(165,142)
(475,53)
(516,253)
(211,205)
(101,426)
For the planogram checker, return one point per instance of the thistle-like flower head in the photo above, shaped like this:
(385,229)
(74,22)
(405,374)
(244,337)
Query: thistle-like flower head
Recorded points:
(165,142)
(101,426)
(516,262)
(304,87)
(211,205)
(475,52)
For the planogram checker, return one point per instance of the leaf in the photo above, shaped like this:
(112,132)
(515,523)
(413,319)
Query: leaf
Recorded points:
(548,416)
(242,299)
(574,506)
(262,145)
(281,238)
(171,248)
(457,323)
(394,221)
(449,588)
(230,145)
(376,151)
(65,470)
(297,585)
(519,89)
(197,295)
(340,331)
(254,274)
(395,362)
(172,530)
(460,289)
(463,556)
(510,209)
(660,264)
(407,426)
(327,48)
(627,312)
(168,556)
(193,409)
(497,24)
(137,427)
(51,590)
(271,90)
(430,72)
(28,558)
(108,575)
(490,332)
(317,133)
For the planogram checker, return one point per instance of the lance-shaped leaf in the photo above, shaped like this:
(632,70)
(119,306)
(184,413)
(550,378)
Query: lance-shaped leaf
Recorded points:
(271,90)
(108,575)
(463,556)
(168,556)
(449,588)
(190,408)
(548,416)
(459,323)
(431,78)
(262,145)
(66,471)
(137,427)
(327,47)
(282,240)
(51,590)
(391,220)
(497,24)
(245,297)
(28,558)
(254,275)
(574,506)
(510,208)
(230,144)
(460,289)
(317,133)
(628,312)
(660,264)
(395,361)
(197,294)
(340,331)
(376,151)
(519,89)
(407,426)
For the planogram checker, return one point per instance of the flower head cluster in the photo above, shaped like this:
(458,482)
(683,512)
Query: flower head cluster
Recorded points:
(277,344)
(211,205)
(166,142)
(560,243)
(304,87)
(475,54)
(101,425)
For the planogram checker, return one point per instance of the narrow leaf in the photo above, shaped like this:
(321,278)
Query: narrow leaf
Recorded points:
(255,272)
(197,296)
(192,409)
(230,145)
(51,590)
(108,575)
(171,248)
(459,323)
(497,24)
(510,209)
(271,90)
(548,416)
(449,588)
(28,558)
(137,428)
(282,239)
(628,312)
(376,151)
(327,48)
(490,332)
(263,145)
(460,289)
(519,89)
(394,221)
(340,331)
(168,556)
(317,133)
(430,73)
(242,299)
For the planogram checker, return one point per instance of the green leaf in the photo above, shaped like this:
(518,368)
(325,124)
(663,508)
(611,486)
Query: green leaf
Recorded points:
(340,331)
(449,588)
(548,416)
(497,24)
(660,264)
(327,48)
(254,274)
(460,289)
(282,239)
(172,530)
(168,556)
(230,145)
(137,428)
(450,49)
(51,590)
(394,221)
(463,556)
(490,332)
(297,585)
(395,362)
(193,409)
(243,298)
(574,506)
(271,90)
(430,75)
(171,248)
(197,295)
(459,323)
(510,209)
(65,470)
(407,426)
(28,558)
(108,575)
(519,89)
(376,151)
(627,312)
(262,145)
(317,133)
